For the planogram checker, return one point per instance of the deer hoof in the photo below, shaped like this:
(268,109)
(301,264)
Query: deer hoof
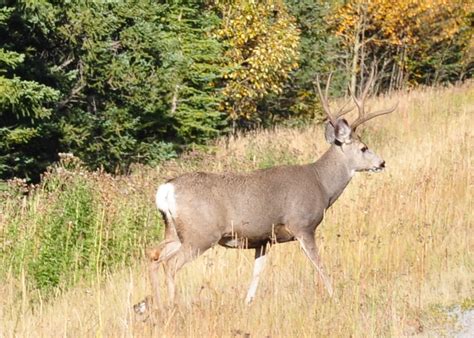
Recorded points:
(143,308)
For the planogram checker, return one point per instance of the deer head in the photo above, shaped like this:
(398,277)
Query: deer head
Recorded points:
(343,135)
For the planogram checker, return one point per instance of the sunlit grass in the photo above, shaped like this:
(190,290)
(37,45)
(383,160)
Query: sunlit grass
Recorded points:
(398,245)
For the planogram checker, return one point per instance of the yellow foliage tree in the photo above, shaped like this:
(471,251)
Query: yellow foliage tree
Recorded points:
(262,49)
(406,37)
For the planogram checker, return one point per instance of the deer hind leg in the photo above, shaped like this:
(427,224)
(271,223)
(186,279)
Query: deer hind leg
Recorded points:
(308,243)
(173,264)
(160,254)
(260,259)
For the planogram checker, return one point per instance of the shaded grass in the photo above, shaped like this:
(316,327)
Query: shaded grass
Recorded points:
(398,245)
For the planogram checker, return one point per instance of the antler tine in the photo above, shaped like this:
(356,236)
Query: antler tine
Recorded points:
(370,116)
(368,84)
(360,102)
(324,98)
(326,90)
(341,112)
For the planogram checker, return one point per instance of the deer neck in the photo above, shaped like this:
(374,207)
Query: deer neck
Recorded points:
(334,173)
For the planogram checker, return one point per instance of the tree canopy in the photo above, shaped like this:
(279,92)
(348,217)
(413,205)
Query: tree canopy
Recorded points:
(122,82)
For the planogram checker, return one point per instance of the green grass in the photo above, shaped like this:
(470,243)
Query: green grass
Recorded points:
(74,225)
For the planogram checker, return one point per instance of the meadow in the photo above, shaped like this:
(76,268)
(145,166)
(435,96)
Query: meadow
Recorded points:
(398,245)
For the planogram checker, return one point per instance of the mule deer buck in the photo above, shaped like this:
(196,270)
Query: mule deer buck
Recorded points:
(253,210)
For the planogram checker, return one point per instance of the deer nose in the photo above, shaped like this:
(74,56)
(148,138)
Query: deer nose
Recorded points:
(382,165)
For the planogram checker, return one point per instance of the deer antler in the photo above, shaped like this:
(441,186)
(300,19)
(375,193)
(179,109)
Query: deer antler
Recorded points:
(360,102)
(325,103)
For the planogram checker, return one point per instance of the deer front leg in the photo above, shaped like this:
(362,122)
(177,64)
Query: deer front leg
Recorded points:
(260,259)
(308,243)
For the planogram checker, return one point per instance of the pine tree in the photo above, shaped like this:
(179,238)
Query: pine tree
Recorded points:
(132,82)
(26,107)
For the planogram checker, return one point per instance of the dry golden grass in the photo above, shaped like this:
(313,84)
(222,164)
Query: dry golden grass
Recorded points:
(397,245)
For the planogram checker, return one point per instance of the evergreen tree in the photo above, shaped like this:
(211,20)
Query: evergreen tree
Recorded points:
(146,80)
(28,140)
(132,83)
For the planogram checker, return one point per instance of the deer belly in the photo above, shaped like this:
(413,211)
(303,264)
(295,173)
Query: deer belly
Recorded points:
(240,242)
(279,234)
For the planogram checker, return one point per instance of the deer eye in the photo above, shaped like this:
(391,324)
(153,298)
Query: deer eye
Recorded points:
(364,149)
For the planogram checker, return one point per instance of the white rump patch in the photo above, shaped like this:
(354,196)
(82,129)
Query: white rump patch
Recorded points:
(166,199)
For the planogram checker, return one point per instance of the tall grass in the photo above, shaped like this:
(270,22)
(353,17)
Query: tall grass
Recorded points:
(398,245)
(73,225)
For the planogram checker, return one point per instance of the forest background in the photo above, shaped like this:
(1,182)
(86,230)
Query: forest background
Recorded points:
(117,83)
(100,102)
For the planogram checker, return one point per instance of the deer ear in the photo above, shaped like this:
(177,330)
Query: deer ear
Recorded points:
(341,133)
(330,133)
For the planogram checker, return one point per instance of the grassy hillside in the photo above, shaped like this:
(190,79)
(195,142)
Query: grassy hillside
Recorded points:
(398,245)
